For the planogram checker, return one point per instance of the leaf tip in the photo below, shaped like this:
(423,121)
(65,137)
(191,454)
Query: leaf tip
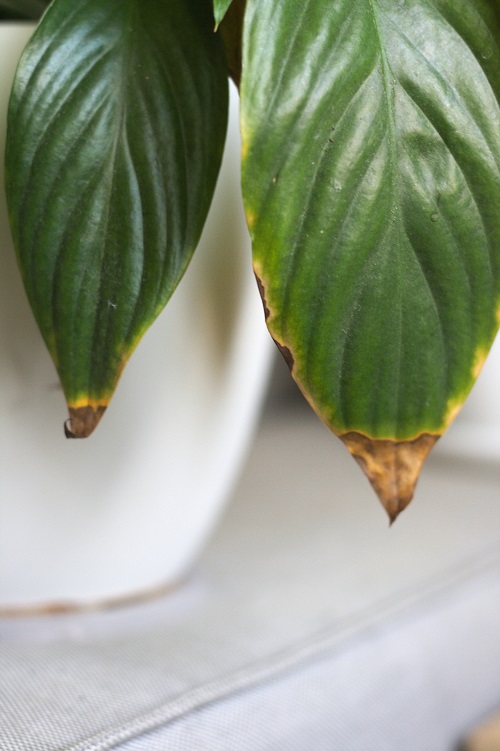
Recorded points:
(83,421)
(392,467)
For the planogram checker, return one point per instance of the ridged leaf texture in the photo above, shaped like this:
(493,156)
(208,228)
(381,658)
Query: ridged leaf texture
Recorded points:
(371,178)
(115,135)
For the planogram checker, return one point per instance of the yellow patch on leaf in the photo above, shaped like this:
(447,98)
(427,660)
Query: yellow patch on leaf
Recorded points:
(453,407)
(479,360)
(250,215)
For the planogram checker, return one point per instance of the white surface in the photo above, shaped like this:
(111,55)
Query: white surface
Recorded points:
(309,624)
(401,684)
(476,431)
(130,507)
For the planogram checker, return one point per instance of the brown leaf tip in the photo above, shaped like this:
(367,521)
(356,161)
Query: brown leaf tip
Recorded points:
(392,467)
(83,421)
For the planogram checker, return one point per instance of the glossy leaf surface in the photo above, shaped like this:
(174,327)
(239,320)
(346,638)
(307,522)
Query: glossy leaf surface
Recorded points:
(371,178)
(116,129)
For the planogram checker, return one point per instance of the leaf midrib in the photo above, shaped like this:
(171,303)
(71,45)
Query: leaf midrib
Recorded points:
(127,44)
(396,218)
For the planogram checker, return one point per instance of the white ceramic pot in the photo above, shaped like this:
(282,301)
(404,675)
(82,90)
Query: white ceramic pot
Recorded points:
(130,508)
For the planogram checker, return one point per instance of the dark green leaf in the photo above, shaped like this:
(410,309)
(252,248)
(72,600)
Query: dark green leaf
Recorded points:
(115,136)
(372,187)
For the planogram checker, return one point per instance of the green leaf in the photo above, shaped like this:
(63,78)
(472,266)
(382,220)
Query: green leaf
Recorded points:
(371,177)
(115,136)
(22,9)
(220,10)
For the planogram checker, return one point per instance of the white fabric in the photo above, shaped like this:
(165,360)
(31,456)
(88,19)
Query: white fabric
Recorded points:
(308,623)
(379,689)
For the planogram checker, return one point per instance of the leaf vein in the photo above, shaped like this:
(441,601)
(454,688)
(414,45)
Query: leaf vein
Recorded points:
(316,328)
(466,180)
(312,187)
(450,88)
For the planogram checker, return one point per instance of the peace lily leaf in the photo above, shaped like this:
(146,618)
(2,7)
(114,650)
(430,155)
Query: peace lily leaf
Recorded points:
(220,9)
(116,129)
(372,188)
(22,9)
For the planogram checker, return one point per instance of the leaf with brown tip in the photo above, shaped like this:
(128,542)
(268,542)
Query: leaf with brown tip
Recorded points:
(117,123)
(371,180)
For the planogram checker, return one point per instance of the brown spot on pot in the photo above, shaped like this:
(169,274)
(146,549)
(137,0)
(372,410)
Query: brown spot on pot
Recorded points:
(83,421)
(392,467)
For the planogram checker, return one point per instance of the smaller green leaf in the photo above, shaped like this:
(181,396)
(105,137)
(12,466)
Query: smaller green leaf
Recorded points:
(220,10)
(116,128)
